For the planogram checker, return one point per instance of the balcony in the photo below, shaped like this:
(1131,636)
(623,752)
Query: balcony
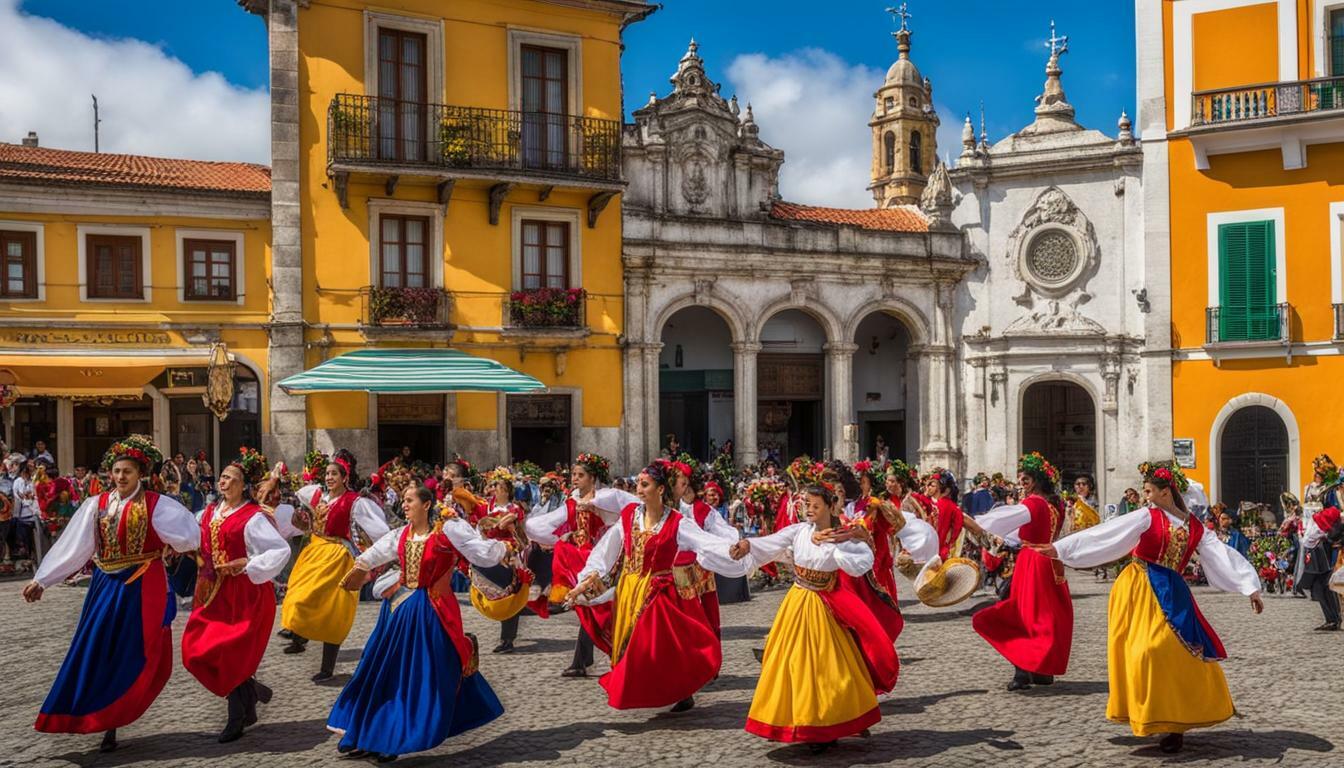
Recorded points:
(405,312)
(1249,332)
(548,312)
(1288,115)
(394,137)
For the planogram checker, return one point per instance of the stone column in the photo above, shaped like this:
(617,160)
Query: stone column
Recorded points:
(745,416)
(652,439)
(288,414)
(939,407)
(840,386)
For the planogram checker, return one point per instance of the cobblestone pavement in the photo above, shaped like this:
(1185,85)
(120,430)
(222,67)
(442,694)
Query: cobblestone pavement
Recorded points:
(949,708)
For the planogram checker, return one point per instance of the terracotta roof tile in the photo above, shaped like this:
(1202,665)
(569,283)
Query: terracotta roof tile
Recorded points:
(41,165)
(900,218)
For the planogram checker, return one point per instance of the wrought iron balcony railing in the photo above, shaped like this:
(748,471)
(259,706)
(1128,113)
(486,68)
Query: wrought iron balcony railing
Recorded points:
(369,130)
(410,308)
(1339,321)
(1264,100)
(548,308)
(1230,325)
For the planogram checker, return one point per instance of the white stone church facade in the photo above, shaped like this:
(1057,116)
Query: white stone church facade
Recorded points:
(975,312)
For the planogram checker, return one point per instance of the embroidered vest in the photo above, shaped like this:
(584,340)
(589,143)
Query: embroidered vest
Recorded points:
(583,528)
(331,519)
(649,551)
(223,539)
(127,538)
(1167,545)
(1045,522)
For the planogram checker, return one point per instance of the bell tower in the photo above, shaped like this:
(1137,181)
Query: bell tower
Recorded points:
(905,127)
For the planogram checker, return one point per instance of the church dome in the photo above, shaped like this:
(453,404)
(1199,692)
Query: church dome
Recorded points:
(904,72)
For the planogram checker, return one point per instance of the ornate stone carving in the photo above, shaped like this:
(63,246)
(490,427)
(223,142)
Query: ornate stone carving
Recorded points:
(936,200)
(1054,248)
(1054,318)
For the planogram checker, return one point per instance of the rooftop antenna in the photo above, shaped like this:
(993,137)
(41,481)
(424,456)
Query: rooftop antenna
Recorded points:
(96,121)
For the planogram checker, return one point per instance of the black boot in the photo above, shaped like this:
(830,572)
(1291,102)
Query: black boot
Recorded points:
(249,693)
(264,692)
(233,729)
(1042,679)
(109,741)
(329,652)
(684,704)
(1172,743)
(1021,680)
(297,644)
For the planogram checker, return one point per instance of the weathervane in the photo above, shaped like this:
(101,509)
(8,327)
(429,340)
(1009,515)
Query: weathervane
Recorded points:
(904,14)
(1057,43)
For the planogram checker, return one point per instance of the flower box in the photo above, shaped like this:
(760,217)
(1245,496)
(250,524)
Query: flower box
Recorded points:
(547,308)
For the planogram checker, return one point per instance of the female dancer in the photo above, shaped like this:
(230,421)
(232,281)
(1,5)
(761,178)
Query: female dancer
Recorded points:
(685,571)
(1162,654)
(727,589)
(504,522)
(122,651)
(340,521)
(948,518)
(877,587)
(662,649)
(826,656)
(1033,628)
(227,631)
(572,529)
(417,682)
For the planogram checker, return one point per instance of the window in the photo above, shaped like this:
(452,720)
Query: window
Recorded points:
(888,104)
(114,267)
(210,267)
(545,254)
(1247,282)
(19,278)
(402,251)
(545,78)
(916,150)
(889,151)
(1336,42)
(401,94)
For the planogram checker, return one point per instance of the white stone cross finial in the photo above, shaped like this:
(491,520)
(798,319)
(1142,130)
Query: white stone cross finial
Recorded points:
(1057,43)
(904,14)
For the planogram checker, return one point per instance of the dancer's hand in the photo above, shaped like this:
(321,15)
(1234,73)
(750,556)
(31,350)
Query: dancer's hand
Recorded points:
(740,549)
(33,592)
(355,579)
(233,567)
(1257,604)
(1047,550)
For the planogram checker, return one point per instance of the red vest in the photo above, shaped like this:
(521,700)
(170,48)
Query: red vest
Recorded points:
(134,534)
(653,553)
(1167,545)
(1045,522)
(336,523)
(229,539)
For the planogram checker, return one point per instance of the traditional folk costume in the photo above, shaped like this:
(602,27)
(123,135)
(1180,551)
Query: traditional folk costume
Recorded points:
(316,607)
(687,570)
(500,593)
(573,532)
(1033,628)
(877,587)
(417,682)
(1321,531)
(947,519)
(231,620)
(1162,654)
(826,656)
(122,651)
(663,649)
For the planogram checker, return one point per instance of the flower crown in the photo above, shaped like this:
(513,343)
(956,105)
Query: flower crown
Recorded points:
(314,465)
(899,468)
(866,468)
(598,466)
(1165,471)
(252,463)
(500,475)
(1035,462)
(764,491)
(138,448)
(804,471)
(1326,468)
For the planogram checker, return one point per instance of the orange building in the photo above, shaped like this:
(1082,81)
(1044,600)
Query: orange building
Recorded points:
(1243,110)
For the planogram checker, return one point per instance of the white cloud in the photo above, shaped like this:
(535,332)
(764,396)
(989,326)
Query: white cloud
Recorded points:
(815,106)
(149,102)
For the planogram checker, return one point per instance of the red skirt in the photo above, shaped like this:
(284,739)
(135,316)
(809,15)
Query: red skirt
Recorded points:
(883,607)
(1033,628)
(671,653)
(566,562)
(870,633)
(225,639)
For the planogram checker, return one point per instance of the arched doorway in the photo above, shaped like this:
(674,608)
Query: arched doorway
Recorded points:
(791,387)
(1059,419)
(695,382)
(1253,458)
(885,396)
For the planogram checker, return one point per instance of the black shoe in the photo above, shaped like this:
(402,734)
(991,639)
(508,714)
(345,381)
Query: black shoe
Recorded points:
(504,647)
(264,692)
(1042,679)
(386,758)
(575,672)
(820,747)
(759,653)
(285,633)
(295,648)
(344,750)
(323,675)
(233,730)
(1327,627)
(356,754)
(684,705)
(109,741)
(1172,743)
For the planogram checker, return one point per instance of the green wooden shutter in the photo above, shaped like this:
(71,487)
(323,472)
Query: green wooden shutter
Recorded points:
(1247,282)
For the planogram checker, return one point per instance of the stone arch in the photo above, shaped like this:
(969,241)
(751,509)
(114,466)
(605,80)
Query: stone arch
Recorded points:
(830,324)
(903,310)
(737,324)
(1289,421)
(1093,393)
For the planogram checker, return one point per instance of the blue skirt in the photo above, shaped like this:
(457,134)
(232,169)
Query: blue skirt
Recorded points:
(408,693)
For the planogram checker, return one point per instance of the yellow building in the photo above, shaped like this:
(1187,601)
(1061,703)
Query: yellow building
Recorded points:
(1250,99)
(122,275)
(448,175)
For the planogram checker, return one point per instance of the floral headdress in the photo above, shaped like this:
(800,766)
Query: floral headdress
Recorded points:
(314,466)
(866,468)
(138,448)
(500,475)
(803,471)
(907,472)
(528,470)
(1167,471)
(1326,468)
(596,465)
(252,463)
(551,479)
(765,491)
(1034,462)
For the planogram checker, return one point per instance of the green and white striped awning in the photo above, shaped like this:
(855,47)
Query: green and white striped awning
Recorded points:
(409,371)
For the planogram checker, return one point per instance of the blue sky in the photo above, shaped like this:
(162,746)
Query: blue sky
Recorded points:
(810,69)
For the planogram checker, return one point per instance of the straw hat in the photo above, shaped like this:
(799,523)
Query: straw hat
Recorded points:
(942,584)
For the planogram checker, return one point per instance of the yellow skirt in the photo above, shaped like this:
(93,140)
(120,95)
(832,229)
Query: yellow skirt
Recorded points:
(1157,685)
(631,592)
(814,685)
(316,607)
(502,609)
